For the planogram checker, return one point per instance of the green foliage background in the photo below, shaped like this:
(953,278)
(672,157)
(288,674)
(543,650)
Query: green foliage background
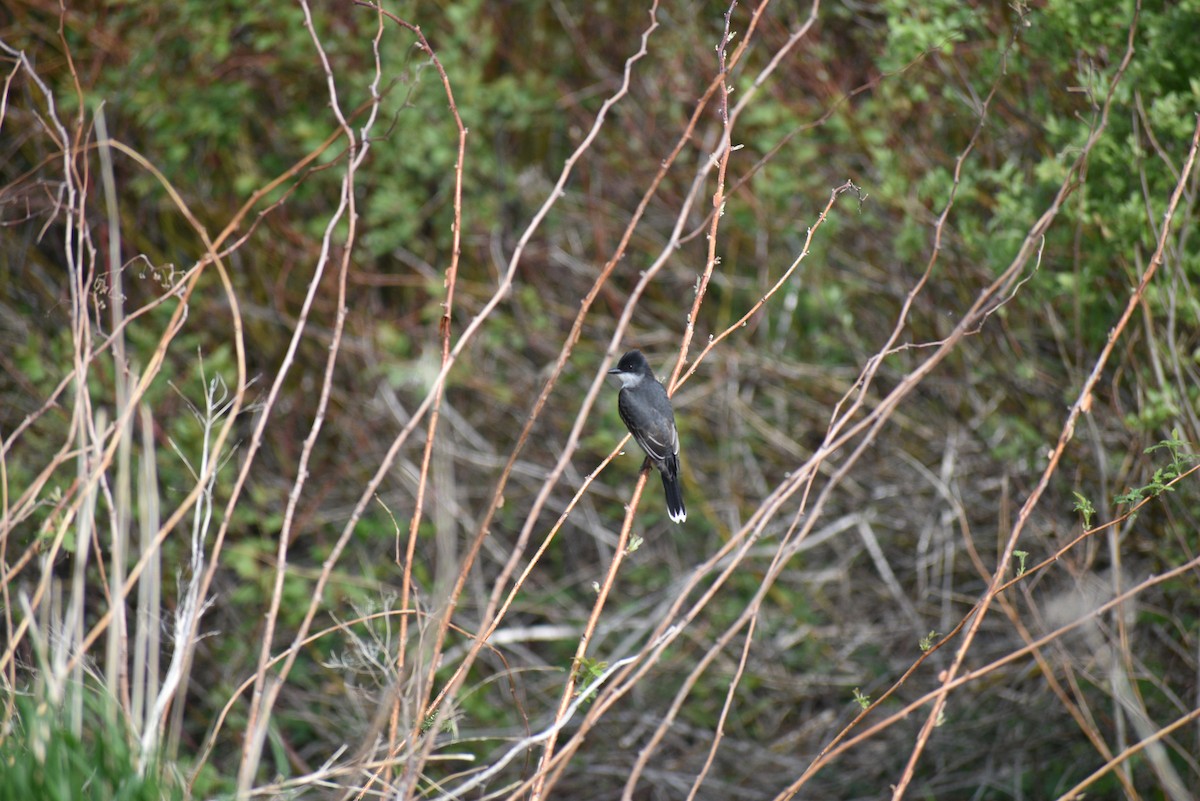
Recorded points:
(224,97)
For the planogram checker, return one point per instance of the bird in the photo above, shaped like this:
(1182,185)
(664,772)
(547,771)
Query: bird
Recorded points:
(646,411)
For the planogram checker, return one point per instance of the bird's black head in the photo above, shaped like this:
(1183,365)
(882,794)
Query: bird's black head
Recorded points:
(634,363)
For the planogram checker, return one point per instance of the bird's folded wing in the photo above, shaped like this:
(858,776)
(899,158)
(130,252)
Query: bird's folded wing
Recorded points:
(656,450)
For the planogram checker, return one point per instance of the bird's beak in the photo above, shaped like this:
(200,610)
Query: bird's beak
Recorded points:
(614,371)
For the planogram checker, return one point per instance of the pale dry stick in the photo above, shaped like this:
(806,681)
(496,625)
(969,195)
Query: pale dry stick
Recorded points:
(8,680)
(1076,792)
(722,154)
(89,428)
(866,379)
(78,319)
(92,432)
(191,603)
(713,341)
(247,684)
(444,329)
(549,538)
(262,704)
(4,92)
(73,618)
(1033,646)
(96,431)
(1084,401)
(398,442)
(122,514)
(147,643)
(523,746)
(671,625)
(977,313)
(7,521)
(770,154)
(721,157)
(11,675)
(173,326)
(73,252)
(566,706)
(748,536)
(839,419)
(720,730)
(966,678)
(1073,709)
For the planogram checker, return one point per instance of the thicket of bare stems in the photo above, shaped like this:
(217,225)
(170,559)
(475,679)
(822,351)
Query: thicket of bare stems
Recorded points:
(464,589)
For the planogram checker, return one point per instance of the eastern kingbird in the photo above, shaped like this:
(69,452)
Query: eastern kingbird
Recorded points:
(646,410)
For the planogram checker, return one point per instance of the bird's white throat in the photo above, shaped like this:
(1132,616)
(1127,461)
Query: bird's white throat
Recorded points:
(623,380)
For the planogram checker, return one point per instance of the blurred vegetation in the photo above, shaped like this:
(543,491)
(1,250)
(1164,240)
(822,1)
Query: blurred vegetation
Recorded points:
(225,97)
(48,757)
